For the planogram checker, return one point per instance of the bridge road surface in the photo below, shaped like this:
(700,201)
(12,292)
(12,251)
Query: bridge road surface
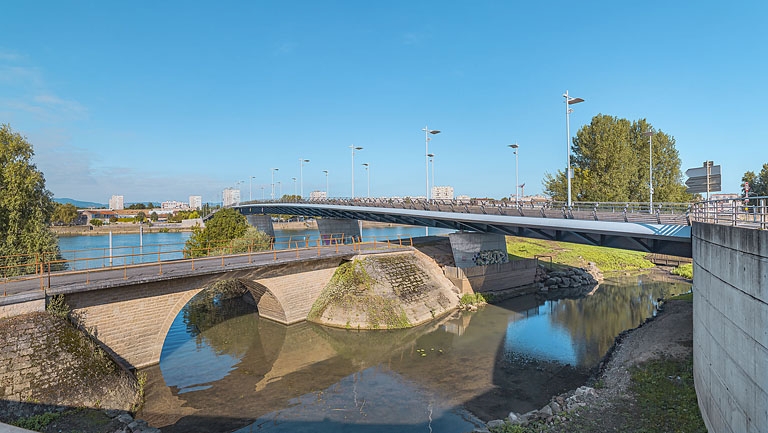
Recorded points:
(84,280)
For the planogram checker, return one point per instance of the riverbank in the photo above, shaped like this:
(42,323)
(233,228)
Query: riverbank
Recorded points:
(647,372)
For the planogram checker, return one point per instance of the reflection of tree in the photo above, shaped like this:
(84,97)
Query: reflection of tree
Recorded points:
(621,303)
(215,305)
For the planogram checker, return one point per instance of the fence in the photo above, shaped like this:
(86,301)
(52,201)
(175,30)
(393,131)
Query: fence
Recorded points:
(735,212)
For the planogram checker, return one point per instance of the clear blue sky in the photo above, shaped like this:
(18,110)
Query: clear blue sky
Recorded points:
(162,100)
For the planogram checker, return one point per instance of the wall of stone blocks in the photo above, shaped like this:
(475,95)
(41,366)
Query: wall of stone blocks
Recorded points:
(730,330)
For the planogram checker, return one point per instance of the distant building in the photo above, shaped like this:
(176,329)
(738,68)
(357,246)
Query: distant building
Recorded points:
(195,202)
(174,205)
(116,202)
(230,196)
(442,193)
(463,199)
(318,195)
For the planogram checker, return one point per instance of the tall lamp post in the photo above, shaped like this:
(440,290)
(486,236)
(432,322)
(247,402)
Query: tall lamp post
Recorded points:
(273,182)
(649,134)
(354,148)
(368,175)
(301,176)
(237,187)
(250,188)
(568,174)
(428,131)
(432,163)
(294,186)
(515,150)
(326,184)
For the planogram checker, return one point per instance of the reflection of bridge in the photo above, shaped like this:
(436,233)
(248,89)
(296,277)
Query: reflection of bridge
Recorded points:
(665,231)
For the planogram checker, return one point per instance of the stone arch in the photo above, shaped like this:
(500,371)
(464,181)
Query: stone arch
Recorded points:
(267,303)
(157,345)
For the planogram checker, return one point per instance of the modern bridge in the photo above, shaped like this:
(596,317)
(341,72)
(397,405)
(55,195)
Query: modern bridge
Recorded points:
(664,230)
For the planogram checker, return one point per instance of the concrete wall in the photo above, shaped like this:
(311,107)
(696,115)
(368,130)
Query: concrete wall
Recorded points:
(337,226)
(263,223)
(466,245)
(730,327)
(500,278)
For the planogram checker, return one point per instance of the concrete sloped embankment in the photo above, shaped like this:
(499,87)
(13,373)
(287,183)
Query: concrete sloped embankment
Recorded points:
(385,291)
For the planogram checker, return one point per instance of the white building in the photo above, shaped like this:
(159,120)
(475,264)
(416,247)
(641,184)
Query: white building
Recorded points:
(318,195)
(116,202)
(230,196)
(196,202)
(442,193)
(174,205)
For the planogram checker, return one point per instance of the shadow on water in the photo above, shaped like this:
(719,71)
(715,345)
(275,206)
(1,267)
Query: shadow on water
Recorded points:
(236,372)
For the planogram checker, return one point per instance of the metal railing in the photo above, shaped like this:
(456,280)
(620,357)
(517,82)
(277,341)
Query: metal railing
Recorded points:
(735,212)
(84,265)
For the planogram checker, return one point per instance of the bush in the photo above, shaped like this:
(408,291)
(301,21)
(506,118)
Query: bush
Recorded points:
(684,270)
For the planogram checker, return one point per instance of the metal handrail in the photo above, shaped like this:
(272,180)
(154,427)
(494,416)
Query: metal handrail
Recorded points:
(743,212)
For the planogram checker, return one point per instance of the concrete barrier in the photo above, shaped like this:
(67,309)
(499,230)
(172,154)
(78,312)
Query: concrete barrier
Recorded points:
(730,330)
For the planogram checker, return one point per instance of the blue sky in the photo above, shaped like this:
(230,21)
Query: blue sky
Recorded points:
(162,100)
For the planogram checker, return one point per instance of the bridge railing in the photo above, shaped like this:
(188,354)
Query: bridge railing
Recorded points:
(735,212)
(83,266)
(659,213)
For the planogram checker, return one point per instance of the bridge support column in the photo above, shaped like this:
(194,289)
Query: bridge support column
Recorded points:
(263,223)
(338,228)
(473,249)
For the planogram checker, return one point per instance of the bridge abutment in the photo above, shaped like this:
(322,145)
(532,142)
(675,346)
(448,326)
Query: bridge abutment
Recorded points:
(335,227)
(730,327)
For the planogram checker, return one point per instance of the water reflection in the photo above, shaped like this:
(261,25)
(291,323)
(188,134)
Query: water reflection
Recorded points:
(235,372)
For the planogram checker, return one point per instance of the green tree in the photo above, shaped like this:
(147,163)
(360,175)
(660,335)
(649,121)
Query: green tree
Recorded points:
(64,213)
(137,206)
(141,217)
(26,207)
(610,160)
(96,222)
(758,183)
(153,216)
(224,226)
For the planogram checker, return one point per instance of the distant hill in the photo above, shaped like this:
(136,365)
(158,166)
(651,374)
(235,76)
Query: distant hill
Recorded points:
(79,204)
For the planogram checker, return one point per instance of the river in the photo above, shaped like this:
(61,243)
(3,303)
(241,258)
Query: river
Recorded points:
(223,369)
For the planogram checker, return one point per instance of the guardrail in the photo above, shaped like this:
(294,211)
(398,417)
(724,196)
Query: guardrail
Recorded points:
(86,263)
(735,212)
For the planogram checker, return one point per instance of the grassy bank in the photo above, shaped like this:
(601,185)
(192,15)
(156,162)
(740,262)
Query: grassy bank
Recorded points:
(577,255)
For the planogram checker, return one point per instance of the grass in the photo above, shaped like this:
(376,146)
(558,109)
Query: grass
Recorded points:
(685,270)
(684,297)
(577,255)
(666,397)
(472,299)
(37,422)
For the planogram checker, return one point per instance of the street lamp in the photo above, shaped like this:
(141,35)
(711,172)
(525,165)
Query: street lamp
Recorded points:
(294,186)
(568,102)
(428,131)
(326,184)
(432,162)
(301,176)
(273,182)
(368,175)
(262,193)
(237,187)
(250,188)
(353,167)
(649,134)
(515,150)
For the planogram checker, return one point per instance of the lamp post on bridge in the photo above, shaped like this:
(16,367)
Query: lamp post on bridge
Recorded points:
(368,175)
(326,184)
(515,150)
(273,182)
(649,134)
(354,148)
(569,174)
(250,188)
(301,176)
(432,163)
(294,186)
(428,131)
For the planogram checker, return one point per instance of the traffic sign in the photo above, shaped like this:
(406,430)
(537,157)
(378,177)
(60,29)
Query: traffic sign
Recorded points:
(703,179)
(702,171)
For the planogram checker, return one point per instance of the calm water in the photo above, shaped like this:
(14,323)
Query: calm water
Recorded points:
(224,369)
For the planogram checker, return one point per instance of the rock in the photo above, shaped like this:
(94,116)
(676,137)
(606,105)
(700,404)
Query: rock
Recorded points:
(112,413)
(555,407)
(481,430)
(514,418)
(151,430)
(494,423)
(546,412)
(125,418)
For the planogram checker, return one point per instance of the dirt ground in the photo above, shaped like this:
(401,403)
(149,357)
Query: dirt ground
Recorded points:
(669,335)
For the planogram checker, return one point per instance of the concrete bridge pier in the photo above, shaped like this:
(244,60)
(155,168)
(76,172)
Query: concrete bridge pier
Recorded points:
(263,223)
(334,228)
(470,249)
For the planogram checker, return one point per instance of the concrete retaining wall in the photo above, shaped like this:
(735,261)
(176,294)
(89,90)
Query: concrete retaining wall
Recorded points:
(494,278)
(335,227)
(466,245)
(730,329)
(263,223)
